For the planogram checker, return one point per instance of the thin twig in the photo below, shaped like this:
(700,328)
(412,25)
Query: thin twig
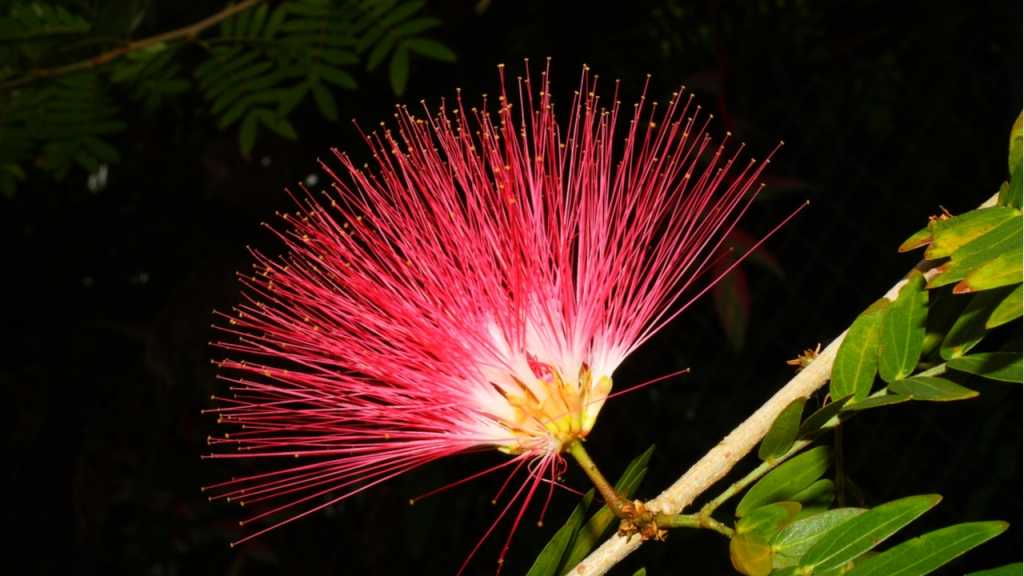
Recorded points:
(187,33)
(719,460)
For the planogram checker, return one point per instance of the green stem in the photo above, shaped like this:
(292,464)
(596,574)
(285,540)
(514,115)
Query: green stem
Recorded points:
(692,521)
(615,502)
(753,476)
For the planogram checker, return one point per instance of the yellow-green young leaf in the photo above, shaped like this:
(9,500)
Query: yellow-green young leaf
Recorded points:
(1015,569)
(922,237)
(1003,238)
(924,554)
(595,528)
(1015,145)
(861,533)
(1003,270)
(788,479)
(1009,308)
(969,328)
(877,402)
(902,333)
(932,389)
(782,434)
(856,363)
(823,416)
(794,540)
(1002,366)
(1013,193)
(750,555)
(640,572)
(767,520)
(949,235)
(550,558)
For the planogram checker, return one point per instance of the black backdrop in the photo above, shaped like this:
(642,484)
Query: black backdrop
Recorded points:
(887,112)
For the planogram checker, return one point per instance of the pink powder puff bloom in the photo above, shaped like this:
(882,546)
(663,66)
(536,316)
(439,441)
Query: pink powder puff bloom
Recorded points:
(474,289)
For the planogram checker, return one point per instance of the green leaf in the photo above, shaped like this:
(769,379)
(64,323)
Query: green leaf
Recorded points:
(818,495)
(598,525)
(399,70)
(247,134)
(951,234)
(782,434)
(413,27)
(902,332)
(379,52)
(1009,308)
(787,480)
(550,558)
(943,309)
(1003,270)
(932,389)
(822,417)
(1005,237)
(1001,366)
(750,555)
(640,572)
(969,328)
(856,363)
(1014,569)
(1015,145)
(337,77)
(793,541)
(765,521)
(922,237)
(324,101)
(431,49)
(861,533)
(924,554)
(277,124)
(877,402)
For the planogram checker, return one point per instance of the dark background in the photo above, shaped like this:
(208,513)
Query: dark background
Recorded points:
(888,110)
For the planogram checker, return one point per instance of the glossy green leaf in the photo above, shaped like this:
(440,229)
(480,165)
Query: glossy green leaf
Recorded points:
(1002,366)
(782,434)
(924,554)
(1008,309)
(931,389)
(902,332)
(861,533)
(398,71)
(788,479)
(765,521)
(877,402)
(598,525)
(950,234)
(1005,237)
(793,541)
(550,559)
(1003,270)
(823,416)
(750,554)
(1015,569)
(969,328)
(856,363)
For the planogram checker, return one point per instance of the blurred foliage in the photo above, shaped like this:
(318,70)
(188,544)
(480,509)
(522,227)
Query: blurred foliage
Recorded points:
(62,77)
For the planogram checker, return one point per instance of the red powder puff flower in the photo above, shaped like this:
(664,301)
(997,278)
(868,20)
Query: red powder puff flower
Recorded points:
(474,289)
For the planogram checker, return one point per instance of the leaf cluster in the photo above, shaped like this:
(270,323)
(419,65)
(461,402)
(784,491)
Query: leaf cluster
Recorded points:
(61,81)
